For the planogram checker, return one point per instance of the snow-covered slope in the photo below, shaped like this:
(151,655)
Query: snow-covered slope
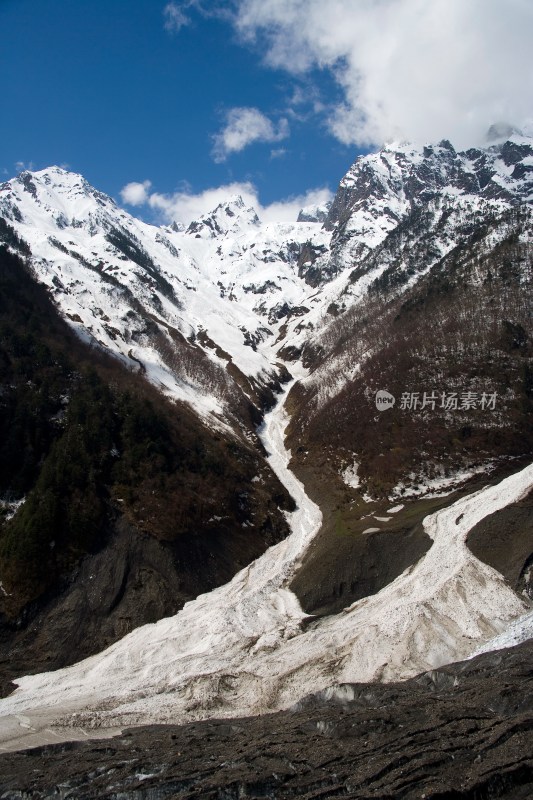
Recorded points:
(165,300)
(231,217)
(230,290)
(381,189)
(406,208)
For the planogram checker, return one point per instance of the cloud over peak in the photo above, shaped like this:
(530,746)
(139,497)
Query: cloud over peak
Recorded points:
(245,126)
(136,194)
(184,205)
(409,69)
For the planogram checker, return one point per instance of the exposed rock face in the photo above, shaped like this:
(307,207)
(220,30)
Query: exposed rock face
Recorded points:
(505,541)
(463,731)
(381,191)
(401,177)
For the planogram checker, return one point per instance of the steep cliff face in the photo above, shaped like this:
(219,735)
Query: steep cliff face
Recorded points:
(398,213)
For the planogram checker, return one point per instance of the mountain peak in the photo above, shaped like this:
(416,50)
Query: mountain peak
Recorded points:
(56,177)
(230,216)
(54,198)
(314,213)
(55,185)
(501,131)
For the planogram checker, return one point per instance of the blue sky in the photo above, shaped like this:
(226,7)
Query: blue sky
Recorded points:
(168,105)
(107,89)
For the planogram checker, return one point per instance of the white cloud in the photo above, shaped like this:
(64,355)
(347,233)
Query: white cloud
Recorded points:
(287,210)
(21,166)
(175,17)
(414,69)
(243,127)
(136,194)
(185,206)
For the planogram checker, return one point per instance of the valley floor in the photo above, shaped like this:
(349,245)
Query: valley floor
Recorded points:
(463,732)
(247,648)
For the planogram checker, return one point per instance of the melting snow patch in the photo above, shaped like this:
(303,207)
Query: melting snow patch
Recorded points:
(372,530)
(520,630)
(11,508)
(431,488)
(395,509)
(350,476)
(144,776)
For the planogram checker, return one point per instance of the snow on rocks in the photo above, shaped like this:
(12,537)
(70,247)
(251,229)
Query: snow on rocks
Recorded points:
(350,476)
(518,631)
(222,287)
(421,486)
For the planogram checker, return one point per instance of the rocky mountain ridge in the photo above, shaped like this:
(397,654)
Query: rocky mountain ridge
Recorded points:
(243,285)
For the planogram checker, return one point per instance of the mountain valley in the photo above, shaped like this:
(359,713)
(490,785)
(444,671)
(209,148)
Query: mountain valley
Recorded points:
(201,495)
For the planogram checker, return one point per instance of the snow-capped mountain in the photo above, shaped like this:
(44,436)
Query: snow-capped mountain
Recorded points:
(231,288)
(417,281)
(381,189)
(231,217)
(314,213)
(166,300)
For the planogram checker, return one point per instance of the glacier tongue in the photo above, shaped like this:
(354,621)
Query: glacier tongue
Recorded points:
(242,649)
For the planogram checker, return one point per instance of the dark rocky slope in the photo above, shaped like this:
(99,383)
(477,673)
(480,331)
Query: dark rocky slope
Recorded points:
(463,732)
(131,505)
(465,326)
(505,541)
